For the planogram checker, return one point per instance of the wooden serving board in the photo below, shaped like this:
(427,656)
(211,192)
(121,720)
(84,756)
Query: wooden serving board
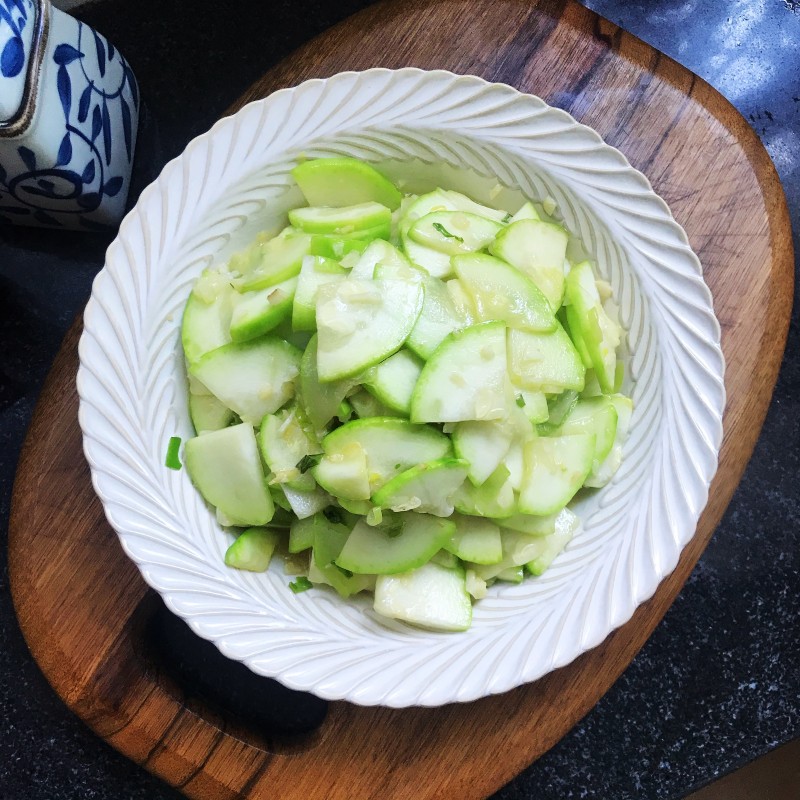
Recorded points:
(81,602)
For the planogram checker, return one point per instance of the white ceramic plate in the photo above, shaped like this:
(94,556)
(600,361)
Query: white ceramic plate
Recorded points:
(429,128)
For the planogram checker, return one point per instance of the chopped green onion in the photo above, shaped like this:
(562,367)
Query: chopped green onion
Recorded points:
(173,460)
(520,401)
(344,412)
(306,462)
(333,514)
(507,218)
(345,572)
(441,228)
(302,584)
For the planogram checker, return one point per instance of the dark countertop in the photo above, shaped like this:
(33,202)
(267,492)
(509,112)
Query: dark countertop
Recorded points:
(719,681)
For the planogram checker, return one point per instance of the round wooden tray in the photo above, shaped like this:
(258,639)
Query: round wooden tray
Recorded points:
(82,604)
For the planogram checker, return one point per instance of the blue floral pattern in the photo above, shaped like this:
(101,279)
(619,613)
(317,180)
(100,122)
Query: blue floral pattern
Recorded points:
(99,101)
(13,13)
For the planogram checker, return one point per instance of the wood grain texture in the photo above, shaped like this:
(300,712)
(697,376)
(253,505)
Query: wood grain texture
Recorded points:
(80,600)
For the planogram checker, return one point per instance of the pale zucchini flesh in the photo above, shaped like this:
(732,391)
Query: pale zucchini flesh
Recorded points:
(438,318)
(511,575)
(476,539)
(600,335)
(533,404)
(278,260)
(565,527)
(431,596)
(208,413)
(483,444)
(284,443)
(360,323)
(345,182)
(596,415)
(206,323)
(253,378)
(321,400)
(465,377)
(494,498)
(501,292)
(454,232)
(461,202)
(393,380)
(526,211)
(519,549)
(462,302)
(258,312)
(306,502)
(544,361)
(434,262)
(252,550)
(366,405)
(425,488)
(301,535)
(226,468)
(315,271)
(342,219)
(605,471)
(391,444)
(555,468)
(383,550)
(445,559)
(331,245)
(423,383)
(344,473)
(379,253)
(538,249)
(329,539)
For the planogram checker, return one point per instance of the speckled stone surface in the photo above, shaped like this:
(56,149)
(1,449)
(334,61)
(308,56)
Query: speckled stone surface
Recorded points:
(719,681)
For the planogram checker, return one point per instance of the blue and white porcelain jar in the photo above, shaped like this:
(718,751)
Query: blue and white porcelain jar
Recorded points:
(69,110)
